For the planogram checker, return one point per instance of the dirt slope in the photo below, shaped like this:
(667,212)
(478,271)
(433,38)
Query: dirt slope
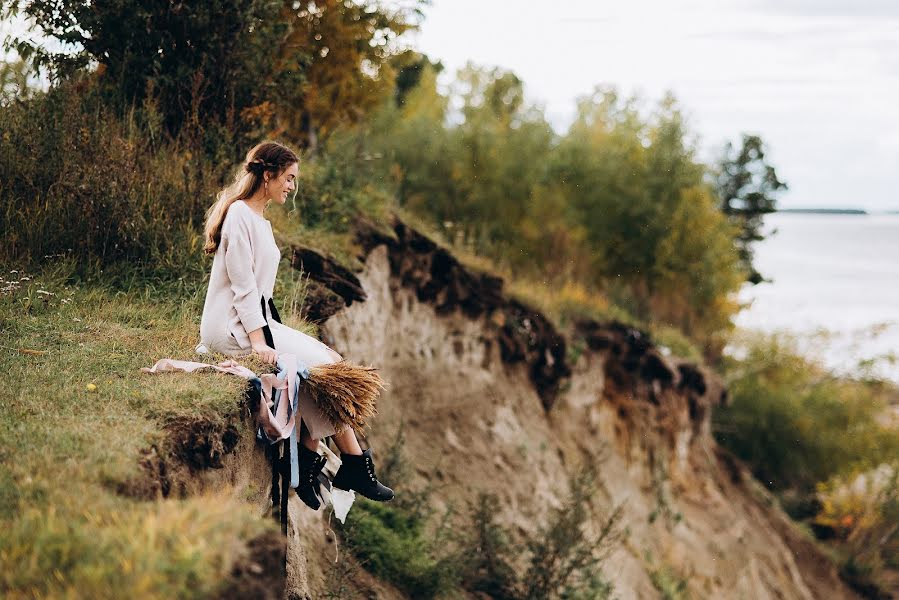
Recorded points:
(494,399)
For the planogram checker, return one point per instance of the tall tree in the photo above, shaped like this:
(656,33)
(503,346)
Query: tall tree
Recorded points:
(747,188)
(194,60)
(259,67)
(350,46)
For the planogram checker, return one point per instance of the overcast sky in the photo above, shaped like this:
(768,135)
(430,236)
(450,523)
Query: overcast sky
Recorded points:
(817,79)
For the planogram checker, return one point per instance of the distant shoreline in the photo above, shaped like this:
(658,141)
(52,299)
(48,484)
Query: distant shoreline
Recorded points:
(836,211)
(825,211)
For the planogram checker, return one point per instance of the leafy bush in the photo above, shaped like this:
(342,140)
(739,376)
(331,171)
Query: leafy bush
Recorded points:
(862,513)
(564,559)
(401,543)
(795,423)
(393,544)
(397,541)
(337,185)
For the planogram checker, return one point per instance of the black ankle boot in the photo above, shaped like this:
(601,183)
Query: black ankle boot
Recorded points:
(358,473)
(311,464)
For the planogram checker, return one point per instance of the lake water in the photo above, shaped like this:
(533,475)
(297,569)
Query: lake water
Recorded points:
(837,274)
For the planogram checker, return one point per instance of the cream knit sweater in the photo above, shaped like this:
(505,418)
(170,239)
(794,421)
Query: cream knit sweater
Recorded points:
(243,271)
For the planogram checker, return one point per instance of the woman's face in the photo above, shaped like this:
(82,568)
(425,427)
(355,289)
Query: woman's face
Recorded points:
(281,186)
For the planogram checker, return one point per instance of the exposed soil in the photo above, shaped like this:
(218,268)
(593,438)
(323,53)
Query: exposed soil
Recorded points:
(190,447)
(260,573)
(477,376)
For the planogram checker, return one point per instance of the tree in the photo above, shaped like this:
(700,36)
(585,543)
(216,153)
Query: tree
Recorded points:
(350,46)
(16,81)
(410,68)
(258,67)
(196,61)
(747,188)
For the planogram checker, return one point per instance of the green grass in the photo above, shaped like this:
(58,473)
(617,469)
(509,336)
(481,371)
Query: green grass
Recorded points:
(75,413)
(393,543)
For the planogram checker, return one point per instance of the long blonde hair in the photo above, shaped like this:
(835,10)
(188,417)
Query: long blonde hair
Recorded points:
(268,156)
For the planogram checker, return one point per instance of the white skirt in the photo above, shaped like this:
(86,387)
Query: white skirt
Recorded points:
(313,353)
(308,350)
(305,347)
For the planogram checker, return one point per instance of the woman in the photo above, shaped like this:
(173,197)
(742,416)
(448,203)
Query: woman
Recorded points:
(239,316)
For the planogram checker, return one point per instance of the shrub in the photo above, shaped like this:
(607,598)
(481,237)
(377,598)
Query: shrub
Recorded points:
(338,184)
(398,541)
(564,559)
(797,424)
(106,188)
(862,513)
(393,544)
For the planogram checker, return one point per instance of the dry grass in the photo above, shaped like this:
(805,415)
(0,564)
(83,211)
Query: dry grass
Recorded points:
(345,393)
(111,548)
(75,413)
(290,229)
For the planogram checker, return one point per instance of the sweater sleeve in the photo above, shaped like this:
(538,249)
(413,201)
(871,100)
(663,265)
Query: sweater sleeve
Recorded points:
(239,266)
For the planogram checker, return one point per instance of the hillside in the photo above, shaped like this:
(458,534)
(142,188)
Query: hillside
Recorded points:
(490,396)
(494,399)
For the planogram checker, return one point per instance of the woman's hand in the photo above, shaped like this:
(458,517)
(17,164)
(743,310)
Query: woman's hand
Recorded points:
(266,353)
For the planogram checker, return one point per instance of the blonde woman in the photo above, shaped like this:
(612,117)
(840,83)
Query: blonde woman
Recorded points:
(239,315)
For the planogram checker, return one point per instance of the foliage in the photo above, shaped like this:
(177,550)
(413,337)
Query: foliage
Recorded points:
(564,557)
(398,541)
(491,570)
(669,583)
(676,342)
(402,543)
(198,61)
(649,221)
(348,71)
(615,208)
(16,82)
(747,189)
(257,68)
(618,204)
(862,512)
(795,423)
(392,543)
(83,180)
(338,185)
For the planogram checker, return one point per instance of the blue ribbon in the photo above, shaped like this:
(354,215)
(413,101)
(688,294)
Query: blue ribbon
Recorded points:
(303,374)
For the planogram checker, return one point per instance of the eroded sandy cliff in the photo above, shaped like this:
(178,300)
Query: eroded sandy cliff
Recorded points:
(494,398)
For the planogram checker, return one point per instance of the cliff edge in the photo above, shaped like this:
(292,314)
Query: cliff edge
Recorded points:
(493,398)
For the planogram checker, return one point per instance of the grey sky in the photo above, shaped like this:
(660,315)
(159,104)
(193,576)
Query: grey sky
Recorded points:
(818,79)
